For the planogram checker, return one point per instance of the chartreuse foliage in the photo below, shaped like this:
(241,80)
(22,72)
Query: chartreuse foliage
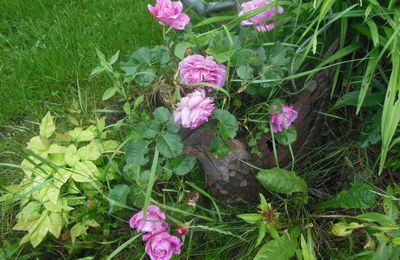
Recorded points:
(384,227)
(62,172)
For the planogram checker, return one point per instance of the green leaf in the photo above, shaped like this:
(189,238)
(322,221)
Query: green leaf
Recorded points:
(119,194)
(341,229)
(114,58)
(359,196)
(150,129)
(219,148)
(145,77)
(390,204)
(287,137)
(282,248)
(162,114)
(262,231)
(227,125)
(307,249)
(138,196)
(161,54)
(90,152)
(183,165)
(245,72)
(80,135)
(84,171)
(352,99)
(282,181)
(251,218)
(39,230)
(383,220)
(180,49)
(135,152)
(97,70)
(219,52)
(78,230)
(47,127)
(109,93)
(143,56)
(169,145)
(172,126)
(56,224)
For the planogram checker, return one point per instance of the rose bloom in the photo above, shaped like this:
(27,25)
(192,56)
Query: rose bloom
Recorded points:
(197,68)
(170,13)
(194,109)
(162,246)
(259,20)
(153,223)
(280,121)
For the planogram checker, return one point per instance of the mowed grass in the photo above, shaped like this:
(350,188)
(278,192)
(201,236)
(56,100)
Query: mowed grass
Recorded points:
(47,50)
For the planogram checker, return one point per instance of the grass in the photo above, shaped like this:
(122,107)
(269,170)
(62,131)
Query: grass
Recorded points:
(47,50)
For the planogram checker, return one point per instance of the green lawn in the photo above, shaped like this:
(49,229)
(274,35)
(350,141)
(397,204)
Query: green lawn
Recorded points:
(47,50)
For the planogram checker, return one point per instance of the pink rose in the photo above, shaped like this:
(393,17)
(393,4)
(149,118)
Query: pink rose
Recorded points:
(282,119)
(162,246)
(153,223)
(259,20)
(170,13)
(194,109)
(197,68)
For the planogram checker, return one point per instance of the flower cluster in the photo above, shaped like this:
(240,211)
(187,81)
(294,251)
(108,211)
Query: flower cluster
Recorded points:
(259,20)
(170,13)
(160,244)
(195,108)
(282,117)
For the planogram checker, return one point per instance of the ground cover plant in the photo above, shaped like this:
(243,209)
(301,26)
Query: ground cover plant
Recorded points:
(266,134)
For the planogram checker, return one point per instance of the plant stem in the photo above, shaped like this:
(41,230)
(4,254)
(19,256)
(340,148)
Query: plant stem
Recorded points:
(150,183)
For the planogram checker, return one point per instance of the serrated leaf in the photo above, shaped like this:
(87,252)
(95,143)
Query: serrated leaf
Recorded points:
(282,181)
(71,156)
(119,194)
(180,49)
(169,145)
(161,54)
(145,77)
(172,126)
(135,152)
(245,72)
(359,196)
(162,114)
(47,127)
(151,128)
(183,165)
(227,124)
